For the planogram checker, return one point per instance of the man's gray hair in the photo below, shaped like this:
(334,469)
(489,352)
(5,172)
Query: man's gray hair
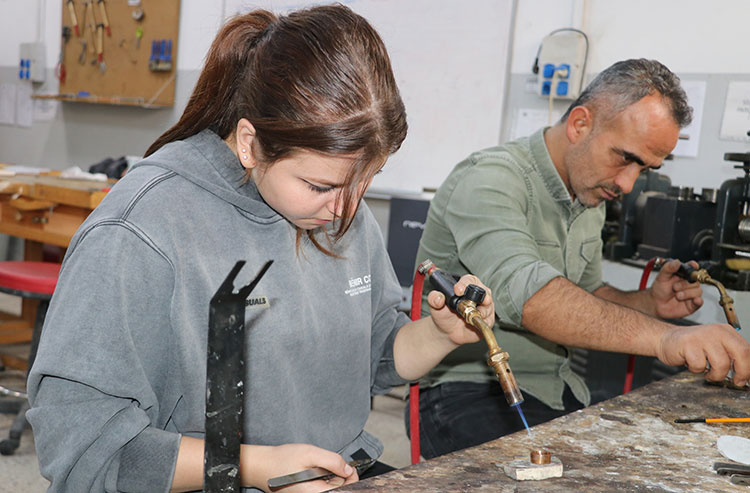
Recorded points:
(629,81)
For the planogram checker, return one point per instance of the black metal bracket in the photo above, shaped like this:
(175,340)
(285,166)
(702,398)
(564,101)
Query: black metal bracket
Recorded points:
(225,376)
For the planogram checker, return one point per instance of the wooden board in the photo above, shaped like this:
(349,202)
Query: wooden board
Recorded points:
(624,444)
(127,78)
(70,202)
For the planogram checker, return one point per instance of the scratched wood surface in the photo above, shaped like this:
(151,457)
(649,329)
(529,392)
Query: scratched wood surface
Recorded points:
(629,443)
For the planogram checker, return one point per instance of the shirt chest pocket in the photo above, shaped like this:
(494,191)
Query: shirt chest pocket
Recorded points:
(551,252)
(579,258)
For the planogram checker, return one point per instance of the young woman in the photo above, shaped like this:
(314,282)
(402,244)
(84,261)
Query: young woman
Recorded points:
(290,120)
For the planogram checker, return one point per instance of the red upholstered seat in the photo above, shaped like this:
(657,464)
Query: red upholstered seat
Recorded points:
(32,277)
(35,280)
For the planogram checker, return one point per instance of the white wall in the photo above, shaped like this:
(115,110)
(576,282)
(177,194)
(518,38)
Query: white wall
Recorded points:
(689,36)
(24,21)
(695,38)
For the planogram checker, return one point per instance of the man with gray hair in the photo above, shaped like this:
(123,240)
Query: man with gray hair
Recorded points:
(526,218)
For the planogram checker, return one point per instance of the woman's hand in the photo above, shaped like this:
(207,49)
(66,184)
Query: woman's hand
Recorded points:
(453,324)
(261,463)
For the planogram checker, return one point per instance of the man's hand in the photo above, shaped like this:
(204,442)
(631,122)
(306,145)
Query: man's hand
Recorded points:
(714,349)
(451,323)
(672,296)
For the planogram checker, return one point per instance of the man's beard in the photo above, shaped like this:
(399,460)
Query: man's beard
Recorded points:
(585,198)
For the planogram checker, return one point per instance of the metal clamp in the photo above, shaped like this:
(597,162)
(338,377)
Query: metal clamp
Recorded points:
(225,374)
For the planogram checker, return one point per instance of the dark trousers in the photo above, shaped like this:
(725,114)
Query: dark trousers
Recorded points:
(457,415)
(376,469)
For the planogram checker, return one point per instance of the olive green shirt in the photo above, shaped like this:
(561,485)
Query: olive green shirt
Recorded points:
(505,215)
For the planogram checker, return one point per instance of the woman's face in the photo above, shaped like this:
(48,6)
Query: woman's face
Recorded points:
(304,188)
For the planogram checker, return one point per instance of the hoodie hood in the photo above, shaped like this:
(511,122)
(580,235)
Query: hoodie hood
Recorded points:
(207,161)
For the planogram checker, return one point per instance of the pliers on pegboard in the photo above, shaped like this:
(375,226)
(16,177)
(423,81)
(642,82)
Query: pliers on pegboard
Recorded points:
(60,68)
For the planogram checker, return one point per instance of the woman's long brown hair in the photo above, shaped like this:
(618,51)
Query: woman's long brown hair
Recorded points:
(317,79)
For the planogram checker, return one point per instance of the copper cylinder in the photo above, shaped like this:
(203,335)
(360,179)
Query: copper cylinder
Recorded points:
(540,456)
(499,362)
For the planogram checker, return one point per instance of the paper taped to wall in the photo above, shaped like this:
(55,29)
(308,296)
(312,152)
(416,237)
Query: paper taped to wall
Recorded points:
(736,122)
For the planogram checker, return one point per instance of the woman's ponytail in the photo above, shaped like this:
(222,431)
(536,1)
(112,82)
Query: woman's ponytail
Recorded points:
(317,79)
(224,72)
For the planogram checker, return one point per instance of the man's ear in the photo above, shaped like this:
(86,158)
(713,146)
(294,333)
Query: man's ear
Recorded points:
(580,123)
(245,135)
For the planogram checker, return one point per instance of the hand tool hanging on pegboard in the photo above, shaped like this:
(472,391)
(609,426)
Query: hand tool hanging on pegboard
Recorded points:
(105,18)
(100,47)
(73,17)
(60,71)
(89,25)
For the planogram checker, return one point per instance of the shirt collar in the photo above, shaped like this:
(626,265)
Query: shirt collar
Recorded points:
(546,168)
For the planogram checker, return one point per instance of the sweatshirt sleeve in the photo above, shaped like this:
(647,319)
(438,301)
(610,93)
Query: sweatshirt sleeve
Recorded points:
(487,214)
(386,318)
(102,368)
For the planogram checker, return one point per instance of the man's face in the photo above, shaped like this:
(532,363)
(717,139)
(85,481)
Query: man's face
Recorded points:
(605,163)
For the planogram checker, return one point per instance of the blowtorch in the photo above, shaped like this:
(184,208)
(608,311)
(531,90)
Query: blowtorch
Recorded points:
(466,307)
(690,273)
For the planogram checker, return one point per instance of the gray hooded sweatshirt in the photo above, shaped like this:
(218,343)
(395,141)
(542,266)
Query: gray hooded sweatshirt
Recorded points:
(121,370)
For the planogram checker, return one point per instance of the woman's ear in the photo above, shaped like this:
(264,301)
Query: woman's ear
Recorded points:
(244,135)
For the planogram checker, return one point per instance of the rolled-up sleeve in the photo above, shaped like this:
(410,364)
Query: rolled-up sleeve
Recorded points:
(488,213)
(591,279)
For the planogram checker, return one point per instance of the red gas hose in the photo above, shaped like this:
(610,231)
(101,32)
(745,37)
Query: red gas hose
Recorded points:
(416,312)
(631,359)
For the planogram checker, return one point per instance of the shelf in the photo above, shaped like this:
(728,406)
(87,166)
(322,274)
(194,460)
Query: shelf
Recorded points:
(111,100)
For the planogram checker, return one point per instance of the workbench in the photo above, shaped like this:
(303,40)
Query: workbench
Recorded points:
(47,208)
(43,208)
(626,443)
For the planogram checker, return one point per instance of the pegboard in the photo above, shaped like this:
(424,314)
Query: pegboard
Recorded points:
(129,71)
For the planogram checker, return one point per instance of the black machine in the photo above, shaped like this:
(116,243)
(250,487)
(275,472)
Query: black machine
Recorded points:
(658,220)
(623,229)
(731,250)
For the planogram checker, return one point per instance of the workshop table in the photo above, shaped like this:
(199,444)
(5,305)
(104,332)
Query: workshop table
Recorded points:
(47,208)
(628,443)
(44,208)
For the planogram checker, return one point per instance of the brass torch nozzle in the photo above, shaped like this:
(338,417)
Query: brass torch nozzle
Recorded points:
(726,302)
(466,307)
(687,271)
(498,359)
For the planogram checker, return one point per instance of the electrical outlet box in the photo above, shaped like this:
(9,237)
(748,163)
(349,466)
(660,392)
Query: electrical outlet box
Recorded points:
(561,62)
(31,65)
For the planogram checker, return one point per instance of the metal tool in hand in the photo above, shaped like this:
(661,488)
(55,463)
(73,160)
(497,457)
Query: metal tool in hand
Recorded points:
(315,473)
(690,273)
(466,307)
(738,473)
(225,374)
